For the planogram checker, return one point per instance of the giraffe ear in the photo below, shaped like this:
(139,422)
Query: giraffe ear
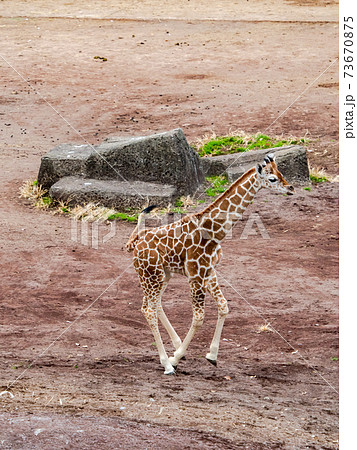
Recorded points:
(259,169)
(269,158)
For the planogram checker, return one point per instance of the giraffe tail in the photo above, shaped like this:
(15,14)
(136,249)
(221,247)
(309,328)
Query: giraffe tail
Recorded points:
(130,245)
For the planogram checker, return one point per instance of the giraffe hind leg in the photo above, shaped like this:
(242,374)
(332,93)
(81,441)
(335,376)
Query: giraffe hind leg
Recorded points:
(153,282)
(214,289)
(150,310)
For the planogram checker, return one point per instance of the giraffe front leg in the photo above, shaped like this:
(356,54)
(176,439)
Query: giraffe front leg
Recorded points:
(175,338)
(214,289)
(198,305)
(149,309)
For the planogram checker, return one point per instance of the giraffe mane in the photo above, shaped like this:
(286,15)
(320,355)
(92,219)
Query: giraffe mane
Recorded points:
(228,192)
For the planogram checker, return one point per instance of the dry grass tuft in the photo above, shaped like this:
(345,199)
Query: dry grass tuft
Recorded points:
(39,198)
(91,212)
(334,179)
(180,207)
(167,210)
(187,201)
(265,328)
(32,191)
(318,173)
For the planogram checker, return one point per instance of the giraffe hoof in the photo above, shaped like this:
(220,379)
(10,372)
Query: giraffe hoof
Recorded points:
(212,361)
(171,372)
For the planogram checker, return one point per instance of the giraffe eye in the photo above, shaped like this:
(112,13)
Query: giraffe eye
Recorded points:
(272,179)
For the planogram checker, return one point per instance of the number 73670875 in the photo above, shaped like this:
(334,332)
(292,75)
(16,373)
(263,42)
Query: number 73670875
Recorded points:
(348,47)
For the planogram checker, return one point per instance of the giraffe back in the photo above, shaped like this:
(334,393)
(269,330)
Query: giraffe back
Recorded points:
(181,247)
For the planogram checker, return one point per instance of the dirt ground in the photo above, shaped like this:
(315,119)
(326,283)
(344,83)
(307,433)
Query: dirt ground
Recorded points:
(77,360)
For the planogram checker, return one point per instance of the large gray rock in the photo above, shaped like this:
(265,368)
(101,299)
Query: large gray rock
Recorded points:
(164,158)
(291,161)
(161,158)
(112,193)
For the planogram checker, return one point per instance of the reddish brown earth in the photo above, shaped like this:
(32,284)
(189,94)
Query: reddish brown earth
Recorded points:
(76,353)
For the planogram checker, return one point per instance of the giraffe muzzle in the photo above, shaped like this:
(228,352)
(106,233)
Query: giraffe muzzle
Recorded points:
(290,190)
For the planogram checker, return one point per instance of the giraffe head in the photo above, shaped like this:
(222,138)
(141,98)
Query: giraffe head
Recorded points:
(269,176)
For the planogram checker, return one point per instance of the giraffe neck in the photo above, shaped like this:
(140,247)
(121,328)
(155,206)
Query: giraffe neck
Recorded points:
(219,217)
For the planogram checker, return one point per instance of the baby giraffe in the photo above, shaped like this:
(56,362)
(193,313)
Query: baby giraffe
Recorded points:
(191,247)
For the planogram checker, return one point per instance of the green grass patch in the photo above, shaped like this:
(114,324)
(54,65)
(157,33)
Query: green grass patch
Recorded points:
(44,202)
(218,185)
(178,210)
(224,145)
(318,179)
(47,200)
(123,216)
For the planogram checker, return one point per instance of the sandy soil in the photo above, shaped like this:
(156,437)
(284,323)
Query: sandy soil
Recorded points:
(75,348)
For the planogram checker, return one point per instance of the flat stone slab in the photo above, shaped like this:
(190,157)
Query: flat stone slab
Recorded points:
(115,194)
(291,161)
(164,158)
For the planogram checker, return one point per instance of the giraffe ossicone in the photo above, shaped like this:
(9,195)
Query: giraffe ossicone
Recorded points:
(191,247)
